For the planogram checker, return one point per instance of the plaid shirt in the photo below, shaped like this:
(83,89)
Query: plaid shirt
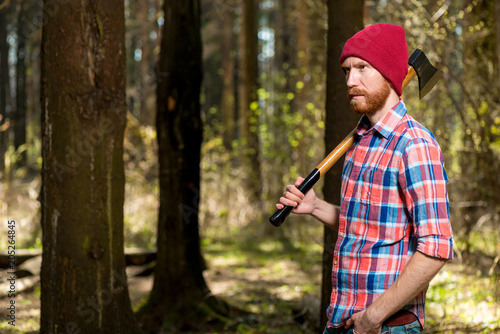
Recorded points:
(394,202)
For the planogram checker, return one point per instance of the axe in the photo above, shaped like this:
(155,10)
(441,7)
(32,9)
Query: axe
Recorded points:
(419,66)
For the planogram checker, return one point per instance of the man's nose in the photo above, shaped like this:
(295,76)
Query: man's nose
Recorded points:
(352,79)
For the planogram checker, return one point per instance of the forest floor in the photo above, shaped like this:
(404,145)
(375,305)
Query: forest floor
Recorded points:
(277,281)
(282,291)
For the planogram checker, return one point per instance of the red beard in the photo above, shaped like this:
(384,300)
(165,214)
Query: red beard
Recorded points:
(373,101)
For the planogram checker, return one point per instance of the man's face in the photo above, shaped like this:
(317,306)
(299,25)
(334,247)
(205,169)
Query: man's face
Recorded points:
(367,89)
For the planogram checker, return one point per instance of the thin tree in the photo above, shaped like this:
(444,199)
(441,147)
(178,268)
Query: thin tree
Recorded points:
(4,83)
(497,21)
(180,295)
(20,116)
(146,113)
(83,281)
(227,44)
(344,19)
(302,86)
(247,99)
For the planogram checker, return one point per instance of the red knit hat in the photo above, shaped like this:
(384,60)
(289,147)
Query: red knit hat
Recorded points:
(384,47)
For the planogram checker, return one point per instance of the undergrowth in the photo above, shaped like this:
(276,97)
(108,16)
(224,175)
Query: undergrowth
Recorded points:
(273,273)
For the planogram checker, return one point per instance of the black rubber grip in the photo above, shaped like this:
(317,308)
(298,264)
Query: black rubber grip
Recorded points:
(280,216)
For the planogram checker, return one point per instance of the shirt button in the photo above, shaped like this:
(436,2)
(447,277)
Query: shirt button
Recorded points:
(335,262)
(341,234)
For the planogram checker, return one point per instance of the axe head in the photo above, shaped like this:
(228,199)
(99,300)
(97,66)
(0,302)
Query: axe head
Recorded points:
(427,74)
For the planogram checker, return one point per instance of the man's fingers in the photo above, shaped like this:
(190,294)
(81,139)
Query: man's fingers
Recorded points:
(294,191)
(349,323)
(290,200)
(298,181)
(292,196)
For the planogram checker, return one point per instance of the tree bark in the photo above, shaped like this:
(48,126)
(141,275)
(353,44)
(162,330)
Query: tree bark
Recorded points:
(345,18)
(247,93)
(4,85)
(497,20)
(303,76)
(83,281)
(228,104)
(146,115)
(133,76)
(20,116)
(179,288)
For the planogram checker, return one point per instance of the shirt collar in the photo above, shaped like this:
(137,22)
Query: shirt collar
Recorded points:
(387,124)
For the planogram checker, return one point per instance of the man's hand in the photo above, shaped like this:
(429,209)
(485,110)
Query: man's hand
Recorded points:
(415,277)
(310,204)
(303,204)
(362,324)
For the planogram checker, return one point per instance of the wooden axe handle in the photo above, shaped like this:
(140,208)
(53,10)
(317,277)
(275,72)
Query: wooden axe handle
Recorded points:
(279,216)
(409,76)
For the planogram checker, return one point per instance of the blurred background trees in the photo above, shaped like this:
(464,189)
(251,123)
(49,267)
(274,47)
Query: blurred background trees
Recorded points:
(264,103)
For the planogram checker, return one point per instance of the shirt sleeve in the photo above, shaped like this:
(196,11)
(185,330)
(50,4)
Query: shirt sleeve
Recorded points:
(423,184)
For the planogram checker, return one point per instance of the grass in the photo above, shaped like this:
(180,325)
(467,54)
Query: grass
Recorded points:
(261,279)
(278,283)
(251,266)
(459,300)
(462,299)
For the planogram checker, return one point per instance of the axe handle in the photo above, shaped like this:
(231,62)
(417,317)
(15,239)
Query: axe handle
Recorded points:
(409,77)
(280,215)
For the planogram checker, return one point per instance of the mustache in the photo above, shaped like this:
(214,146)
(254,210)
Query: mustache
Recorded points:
(355,91)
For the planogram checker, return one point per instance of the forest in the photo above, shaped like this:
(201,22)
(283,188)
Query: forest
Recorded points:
(144,145)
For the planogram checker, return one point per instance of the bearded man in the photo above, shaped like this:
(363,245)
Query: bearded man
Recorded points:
(394,231)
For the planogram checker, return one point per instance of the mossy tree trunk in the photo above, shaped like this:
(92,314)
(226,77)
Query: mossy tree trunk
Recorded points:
(83,281)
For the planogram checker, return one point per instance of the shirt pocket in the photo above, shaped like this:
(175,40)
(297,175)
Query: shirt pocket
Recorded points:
(369,185)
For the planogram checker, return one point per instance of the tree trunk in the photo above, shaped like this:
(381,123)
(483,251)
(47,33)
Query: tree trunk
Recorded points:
(146,115)
(179,288)
(302,86)
(4,86)
(228,105)
(20,116)
(83,281)
(133,75)
(497,20)
(247,92)
(344,19)
(284,60)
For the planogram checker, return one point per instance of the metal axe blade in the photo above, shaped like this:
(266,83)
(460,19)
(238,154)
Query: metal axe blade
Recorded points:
(427,74)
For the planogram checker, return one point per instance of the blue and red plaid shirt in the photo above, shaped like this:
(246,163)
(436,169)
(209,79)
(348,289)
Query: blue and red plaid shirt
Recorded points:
(394,202)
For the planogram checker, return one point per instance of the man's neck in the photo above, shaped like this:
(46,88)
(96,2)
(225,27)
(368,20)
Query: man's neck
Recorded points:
(391,101)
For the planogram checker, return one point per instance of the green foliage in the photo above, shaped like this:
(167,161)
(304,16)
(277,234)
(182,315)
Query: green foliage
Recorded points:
(462,299)
(141,188)
(463,109)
